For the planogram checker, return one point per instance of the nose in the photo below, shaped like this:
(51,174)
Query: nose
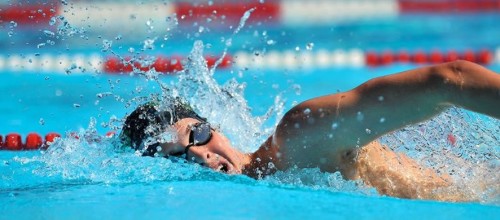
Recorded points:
(199,154)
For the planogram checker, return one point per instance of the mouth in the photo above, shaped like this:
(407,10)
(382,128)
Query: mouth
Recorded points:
(223,168)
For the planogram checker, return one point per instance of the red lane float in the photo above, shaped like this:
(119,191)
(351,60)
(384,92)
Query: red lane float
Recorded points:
(39,14)
(13,141)
(447,6)
(228,11)
(51,137)
(165,65)
(420,57)
(33,141)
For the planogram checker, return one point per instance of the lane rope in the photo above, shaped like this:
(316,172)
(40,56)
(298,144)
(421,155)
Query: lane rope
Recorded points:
(33,141)
(289,59)
(116,15)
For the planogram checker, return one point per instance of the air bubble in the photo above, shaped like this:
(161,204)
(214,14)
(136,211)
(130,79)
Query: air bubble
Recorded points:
(382,120)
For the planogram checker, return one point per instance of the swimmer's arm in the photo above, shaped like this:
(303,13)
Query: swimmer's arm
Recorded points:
(384,104)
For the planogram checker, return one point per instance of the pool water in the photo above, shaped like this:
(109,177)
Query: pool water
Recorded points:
(87,177)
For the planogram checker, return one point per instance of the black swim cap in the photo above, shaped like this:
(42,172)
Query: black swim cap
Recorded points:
(147,121)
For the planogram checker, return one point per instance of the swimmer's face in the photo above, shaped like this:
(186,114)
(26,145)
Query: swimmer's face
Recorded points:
(216,154)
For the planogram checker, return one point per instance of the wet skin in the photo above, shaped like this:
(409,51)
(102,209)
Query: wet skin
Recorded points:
(305,137)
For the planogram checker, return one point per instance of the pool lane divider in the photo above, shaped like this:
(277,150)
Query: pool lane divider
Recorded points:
(33,141)
(161,64)
(286,12)
(289,59)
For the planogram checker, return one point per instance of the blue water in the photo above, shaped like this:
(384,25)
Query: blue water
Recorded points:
(78,179)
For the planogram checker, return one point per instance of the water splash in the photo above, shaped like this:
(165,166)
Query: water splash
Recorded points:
(459,144)
(223,105)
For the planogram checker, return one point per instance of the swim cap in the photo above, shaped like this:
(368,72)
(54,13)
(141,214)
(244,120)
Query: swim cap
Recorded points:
(148,121)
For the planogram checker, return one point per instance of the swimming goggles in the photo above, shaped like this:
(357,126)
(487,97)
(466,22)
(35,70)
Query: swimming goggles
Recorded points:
(201,133)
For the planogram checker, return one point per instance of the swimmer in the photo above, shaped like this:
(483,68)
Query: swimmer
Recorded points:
(304,139)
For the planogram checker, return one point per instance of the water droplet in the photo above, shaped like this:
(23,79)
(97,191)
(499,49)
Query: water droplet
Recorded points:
(360,116)
(271,42)
(49,33)
(52,21)
(297,88)
(297,48)
(106,45)
(368,131)
(382,120)
(12,24)
(149,44)
(309,46)
(307,111)
(335,126)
